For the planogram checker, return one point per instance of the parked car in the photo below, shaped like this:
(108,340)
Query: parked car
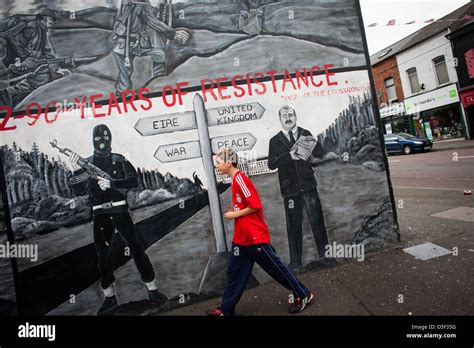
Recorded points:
(405,143)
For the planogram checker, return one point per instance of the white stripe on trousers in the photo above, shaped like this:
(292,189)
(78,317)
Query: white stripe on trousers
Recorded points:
(296,280)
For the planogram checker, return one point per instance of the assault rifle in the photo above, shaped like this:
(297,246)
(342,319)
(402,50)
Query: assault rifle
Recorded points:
(30,65)
(91,169)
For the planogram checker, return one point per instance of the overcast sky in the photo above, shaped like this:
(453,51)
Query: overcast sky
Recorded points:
(382,11)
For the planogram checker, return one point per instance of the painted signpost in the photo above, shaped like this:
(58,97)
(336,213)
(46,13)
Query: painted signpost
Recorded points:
(166,124)
(191,149)
(234,114)
(184,121)
(178,152)
(201,119)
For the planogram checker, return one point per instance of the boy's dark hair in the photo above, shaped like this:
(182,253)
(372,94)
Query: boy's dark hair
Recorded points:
(227,154)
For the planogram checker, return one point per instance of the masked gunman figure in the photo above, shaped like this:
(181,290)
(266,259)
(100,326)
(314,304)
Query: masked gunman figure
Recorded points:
(110,213)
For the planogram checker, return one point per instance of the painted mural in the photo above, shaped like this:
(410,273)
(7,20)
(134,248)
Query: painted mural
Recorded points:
(112,110)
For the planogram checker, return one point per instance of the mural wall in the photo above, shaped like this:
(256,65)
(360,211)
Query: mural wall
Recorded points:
(106,164)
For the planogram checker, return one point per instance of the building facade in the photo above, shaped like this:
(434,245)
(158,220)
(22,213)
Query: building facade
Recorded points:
(429,82)
(417,80)
(390,96)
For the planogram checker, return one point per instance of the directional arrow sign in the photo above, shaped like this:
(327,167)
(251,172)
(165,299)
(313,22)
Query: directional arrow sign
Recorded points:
(186,120)
(178,152)
(166,123)
(191,149)
(234,114)
(238,142)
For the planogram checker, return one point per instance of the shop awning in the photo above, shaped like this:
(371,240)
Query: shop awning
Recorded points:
(433,99)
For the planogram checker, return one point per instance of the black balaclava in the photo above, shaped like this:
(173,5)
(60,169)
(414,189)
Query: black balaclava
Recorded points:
(102,140)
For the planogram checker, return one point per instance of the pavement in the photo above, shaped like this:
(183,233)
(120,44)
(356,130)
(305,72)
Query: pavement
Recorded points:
(393,282)
(452,144)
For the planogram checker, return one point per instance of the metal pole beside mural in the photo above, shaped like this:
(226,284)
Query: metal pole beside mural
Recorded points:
(206,153)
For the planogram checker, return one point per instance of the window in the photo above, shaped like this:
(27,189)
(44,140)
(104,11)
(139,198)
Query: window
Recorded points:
(390,86)
(406,135)
(390,138)
(441,70)
(413,78)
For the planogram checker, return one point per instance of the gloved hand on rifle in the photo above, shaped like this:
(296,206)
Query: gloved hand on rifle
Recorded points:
(103,183)
(73,160)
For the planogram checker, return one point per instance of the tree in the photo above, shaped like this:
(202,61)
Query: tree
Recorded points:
(35,148)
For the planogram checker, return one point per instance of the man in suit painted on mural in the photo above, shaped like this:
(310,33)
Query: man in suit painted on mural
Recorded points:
(298,186)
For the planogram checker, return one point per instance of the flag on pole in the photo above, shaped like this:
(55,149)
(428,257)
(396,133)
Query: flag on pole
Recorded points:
(391,22)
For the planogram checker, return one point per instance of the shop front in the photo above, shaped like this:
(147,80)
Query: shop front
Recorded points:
(395,120)
(437,115)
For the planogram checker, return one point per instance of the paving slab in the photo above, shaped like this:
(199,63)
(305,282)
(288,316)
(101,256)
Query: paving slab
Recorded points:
(427,251)
(460,213)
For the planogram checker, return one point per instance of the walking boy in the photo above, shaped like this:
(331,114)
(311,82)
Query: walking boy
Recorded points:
(251,243)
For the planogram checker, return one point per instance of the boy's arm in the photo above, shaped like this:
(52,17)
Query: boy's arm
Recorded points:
(237,214)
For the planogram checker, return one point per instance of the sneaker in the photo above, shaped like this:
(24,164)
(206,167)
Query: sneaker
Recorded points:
(216,312)
(155,295)
(108,304)
(300,304)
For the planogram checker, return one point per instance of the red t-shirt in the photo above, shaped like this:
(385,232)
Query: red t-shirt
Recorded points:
(250,229)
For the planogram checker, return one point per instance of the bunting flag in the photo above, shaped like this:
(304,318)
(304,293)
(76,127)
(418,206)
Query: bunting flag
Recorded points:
(431,20)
